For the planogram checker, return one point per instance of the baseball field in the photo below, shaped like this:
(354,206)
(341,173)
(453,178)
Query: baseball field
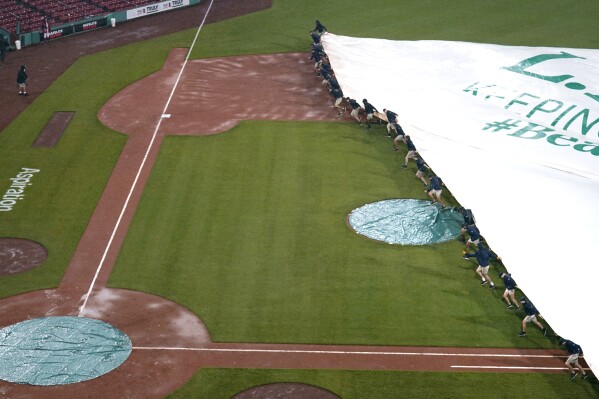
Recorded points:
(197,201)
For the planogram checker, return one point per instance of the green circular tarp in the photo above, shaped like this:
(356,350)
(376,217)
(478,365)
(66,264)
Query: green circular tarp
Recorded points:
(60,350)
(406,221)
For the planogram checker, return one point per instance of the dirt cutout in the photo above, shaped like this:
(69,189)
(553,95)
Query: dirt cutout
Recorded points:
(18,255)
(285,390)
(54,129)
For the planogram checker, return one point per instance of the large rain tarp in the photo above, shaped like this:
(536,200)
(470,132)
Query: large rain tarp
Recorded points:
(514,133)
(406,221)
(60,350)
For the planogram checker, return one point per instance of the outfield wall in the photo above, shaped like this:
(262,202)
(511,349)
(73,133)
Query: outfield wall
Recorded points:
(102,21)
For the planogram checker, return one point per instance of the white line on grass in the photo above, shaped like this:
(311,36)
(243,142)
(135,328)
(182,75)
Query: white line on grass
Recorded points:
(143,162)
(512,367)
(342,352)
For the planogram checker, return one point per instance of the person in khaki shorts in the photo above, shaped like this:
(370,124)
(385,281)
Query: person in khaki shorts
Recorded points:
(483,257)
(355,109)
(22,81)
(401,136)
(369,110)
(391,121)
(531,316)
(421,170)
(411,151)
(510,288)
(574,350)
(339,100)
(435,189)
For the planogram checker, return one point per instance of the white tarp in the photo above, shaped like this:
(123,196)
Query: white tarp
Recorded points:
(514,134)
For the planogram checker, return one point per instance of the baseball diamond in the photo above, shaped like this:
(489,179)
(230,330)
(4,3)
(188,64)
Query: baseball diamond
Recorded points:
(211,160)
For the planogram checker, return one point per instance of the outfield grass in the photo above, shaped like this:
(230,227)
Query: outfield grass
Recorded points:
(284,28)
(248,230)
(224,383)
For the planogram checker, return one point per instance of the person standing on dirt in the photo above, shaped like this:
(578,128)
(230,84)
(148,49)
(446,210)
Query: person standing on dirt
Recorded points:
(531,316)
(22,79)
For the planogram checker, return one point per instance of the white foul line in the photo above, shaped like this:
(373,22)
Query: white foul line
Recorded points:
(342,352)
(512,367)
(150,145)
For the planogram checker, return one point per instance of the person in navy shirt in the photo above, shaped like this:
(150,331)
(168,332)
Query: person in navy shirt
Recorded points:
(324,68)
(338,96)
(474,234)
(315,37)
(467,215)
(320,28)
(355,109)
(411,151)
(510,287)
(369,110)
(483,257)
(468,221)
(435,189)
(327,75)
(400,136)
(531,316)
(316,56)
(391,121)
(422,167)
(22,79)
(574,350)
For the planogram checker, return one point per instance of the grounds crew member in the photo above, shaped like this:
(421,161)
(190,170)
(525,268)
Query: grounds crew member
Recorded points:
(22,78)
(510,287)
(574,350)
(483,257)
(531,315)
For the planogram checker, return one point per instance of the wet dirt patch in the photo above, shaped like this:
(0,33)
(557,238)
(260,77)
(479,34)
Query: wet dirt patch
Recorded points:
(18,255)
(54,129)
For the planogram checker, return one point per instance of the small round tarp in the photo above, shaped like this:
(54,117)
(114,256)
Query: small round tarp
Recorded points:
(406,221)
(60,350)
